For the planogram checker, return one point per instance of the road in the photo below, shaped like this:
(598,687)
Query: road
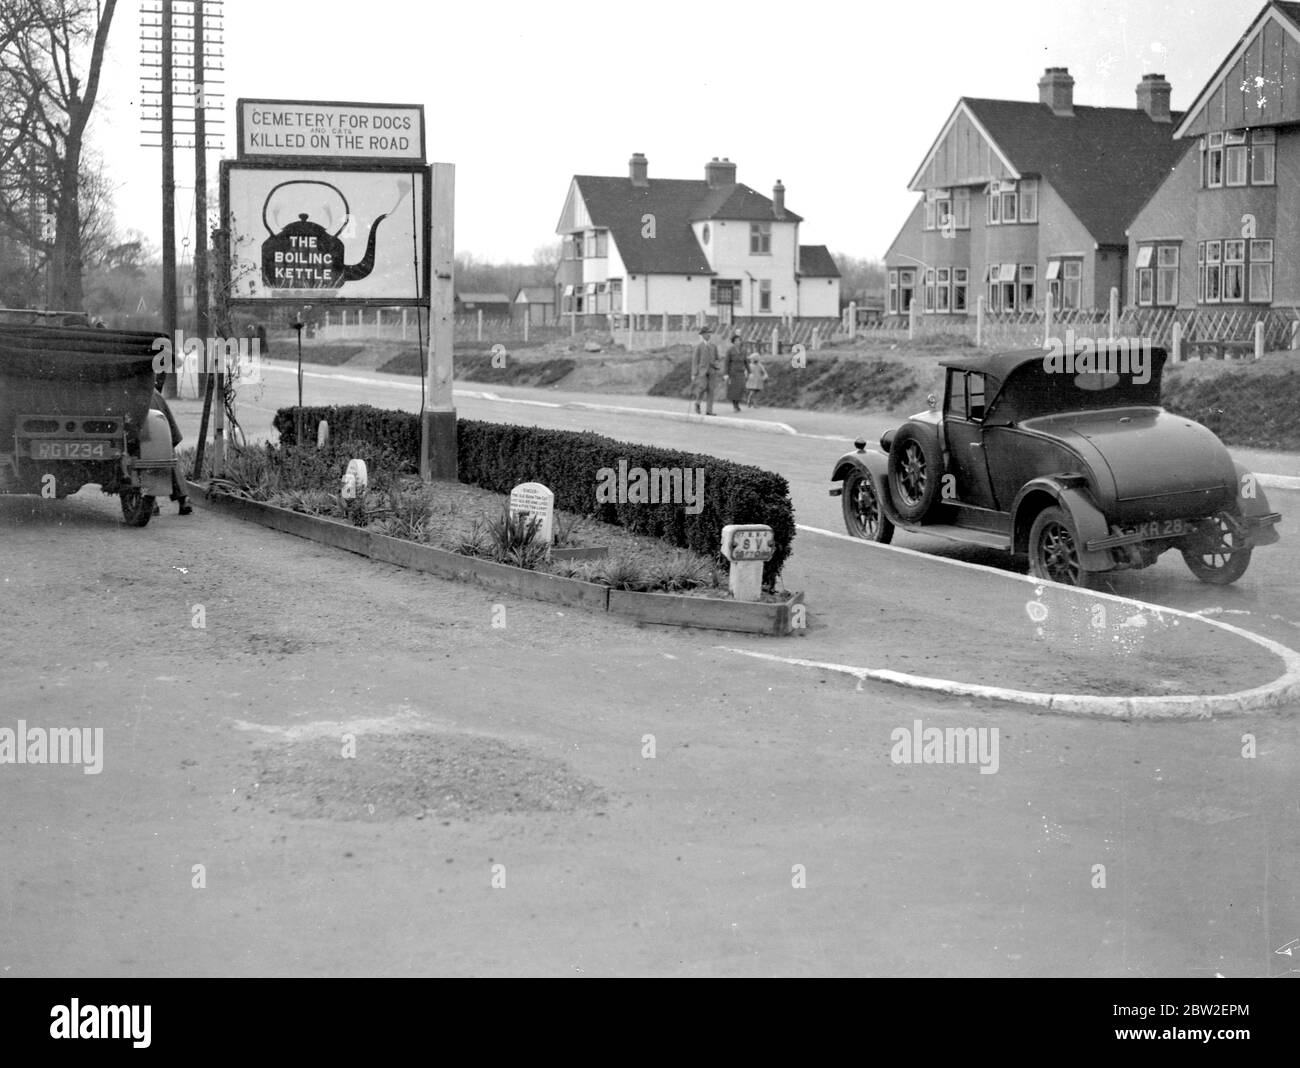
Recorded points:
(645,800)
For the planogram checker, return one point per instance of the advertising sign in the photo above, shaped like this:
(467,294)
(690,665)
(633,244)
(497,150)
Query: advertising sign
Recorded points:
(289,128)
(327,235)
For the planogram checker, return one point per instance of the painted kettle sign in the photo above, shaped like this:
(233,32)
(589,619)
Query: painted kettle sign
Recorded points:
(341,234)
(306,255)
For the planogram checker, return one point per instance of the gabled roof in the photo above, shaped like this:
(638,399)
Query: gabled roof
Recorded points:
(1103,162)
(619,206)
(815,261)
(1258,104)
(535,295)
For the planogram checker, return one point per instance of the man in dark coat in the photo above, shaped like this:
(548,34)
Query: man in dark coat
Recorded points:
(159,404)
(704,370)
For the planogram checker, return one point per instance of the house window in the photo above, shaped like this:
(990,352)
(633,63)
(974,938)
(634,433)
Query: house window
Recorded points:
(1144,285)
(1065,281)
(1263,155)
(1234,271)
(616,294)
(906,289)
(1212,175)
(1261,272)
(943,291)
(760,239)
(1008,207)
(765,295)
(1029,201)
(1234,165)
(1007,281)
(928,224)
(995,205)
(993,292)
(598,244)
(1167,275)
(961,209)
(960,277)
(724,291)
(1212,272)
(893,293)
(929,290)
(1028,283)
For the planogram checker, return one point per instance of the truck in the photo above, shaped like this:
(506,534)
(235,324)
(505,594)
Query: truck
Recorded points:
(76,410)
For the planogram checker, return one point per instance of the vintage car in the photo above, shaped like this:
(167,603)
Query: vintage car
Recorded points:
(76,409)
(1083,473)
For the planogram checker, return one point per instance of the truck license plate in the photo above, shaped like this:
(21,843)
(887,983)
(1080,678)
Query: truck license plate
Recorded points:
(73,450)
(1162,528)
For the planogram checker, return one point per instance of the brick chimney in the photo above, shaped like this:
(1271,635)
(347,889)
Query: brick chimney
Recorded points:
(1056,90)
(1153,97)
(778,200)
(637,167)
(720,172)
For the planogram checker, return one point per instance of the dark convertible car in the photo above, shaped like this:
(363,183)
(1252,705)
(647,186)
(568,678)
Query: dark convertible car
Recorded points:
(1083,473)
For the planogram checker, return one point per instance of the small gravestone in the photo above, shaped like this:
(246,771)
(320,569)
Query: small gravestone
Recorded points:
(748,546)
(322,434)
(534,500)
(355,480)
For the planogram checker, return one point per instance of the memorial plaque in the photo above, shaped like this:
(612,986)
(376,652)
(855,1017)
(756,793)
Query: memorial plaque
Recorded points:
(536,501)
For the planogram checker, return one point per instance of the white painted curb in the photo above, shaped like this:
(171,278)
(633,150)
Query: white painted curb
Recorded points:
(1285,688)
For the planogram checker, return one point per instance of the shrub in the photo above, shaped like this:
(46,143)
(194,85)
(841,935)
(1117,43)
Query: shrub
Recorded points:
(499,457)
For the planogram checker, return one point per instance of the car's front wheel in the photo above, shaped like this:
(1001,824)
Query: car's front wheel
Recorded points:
(863,515)
(915,468)
(1225,562)
(137,508)
(1054,548)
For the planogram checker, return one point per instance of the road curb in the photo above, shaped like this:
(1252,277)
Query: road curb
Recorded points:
(1267,697)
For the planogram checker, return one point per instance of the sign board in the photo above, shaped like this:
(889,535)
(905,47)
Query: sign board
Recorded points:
(329,130)
(340,235)
(535,500)
(752,541)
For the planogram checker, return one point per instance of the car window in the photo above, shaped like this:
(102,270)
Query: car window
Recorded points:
(956,394)
(975,395)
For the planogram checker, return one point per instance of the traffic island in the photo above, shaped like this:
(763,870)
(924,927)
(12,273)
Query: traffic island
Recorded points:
(780,614)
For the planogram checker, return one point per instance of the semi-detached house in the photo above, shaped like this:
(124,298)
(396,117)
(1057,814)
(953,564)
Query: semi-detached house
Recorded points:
(714,247)
(1222,232)
(1019,198)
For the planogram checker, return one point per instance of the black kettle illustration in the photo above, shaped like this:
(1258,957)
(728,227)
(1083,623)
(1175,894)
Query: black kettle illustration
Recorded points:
(306,255)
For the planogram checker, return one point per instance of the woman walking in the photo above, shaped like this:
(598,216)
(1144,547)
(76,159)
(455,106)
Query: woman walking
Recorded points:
(735,371)
(755,378)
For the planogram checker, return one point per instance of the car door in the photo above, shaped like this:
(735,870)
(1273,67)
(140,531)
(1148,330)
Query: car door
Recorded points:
(963,420)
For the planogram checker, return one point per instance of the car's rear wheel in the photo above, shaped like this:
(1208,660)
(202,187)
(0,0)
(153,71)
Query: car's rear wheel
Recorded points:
(863,515)
(1054,548)
(915,469)
(137,508)
(1225,562)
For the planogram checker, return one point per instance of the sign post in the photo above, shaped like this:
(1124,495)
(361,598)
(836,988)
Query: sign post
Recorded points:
(438,428)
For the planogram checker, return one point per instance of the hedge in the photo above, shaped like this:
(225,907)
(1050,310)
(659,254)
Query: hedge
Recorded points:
(498,457)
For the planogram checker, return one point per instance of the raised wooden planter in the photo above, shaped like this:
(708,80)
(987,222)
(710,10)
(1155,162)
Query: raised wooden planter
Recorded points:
(663,608)
(752,617)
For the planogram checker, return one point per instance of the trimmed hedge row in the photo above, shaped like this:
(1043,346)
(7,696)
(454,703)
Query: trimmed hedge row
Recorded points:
(1250,410)
(498,457)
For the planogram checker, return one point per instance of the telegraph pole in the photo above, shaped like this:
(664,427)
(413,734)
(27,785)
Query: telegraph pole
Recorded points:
(168,192)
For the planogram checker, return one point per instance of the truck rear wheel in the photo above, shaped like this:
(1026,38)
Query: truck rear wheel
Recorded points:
(137,508)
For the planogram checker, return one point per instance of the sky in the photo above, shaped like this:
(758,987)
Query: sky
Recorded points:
(840,101)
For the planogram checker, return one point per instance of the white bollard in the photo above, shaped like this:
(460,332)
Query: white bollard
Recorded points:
(1259,340)
(1176,342)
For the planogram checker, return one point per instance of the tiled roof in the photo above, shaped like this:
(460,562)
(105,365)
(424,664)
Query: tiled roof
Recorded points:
(1104,162)
(815,261)
(618,205)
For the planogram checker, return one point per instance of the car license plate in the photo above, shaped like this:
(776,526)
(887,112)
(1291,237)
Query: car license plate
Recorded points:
(73,450)
(1162,528)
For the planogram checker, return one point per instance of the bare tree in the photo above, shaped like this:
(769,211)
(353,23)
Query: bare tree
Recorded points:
(45,107)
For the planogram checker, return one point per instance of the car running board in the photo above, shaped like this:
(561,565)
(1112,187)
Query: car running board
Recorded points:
(969,536)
